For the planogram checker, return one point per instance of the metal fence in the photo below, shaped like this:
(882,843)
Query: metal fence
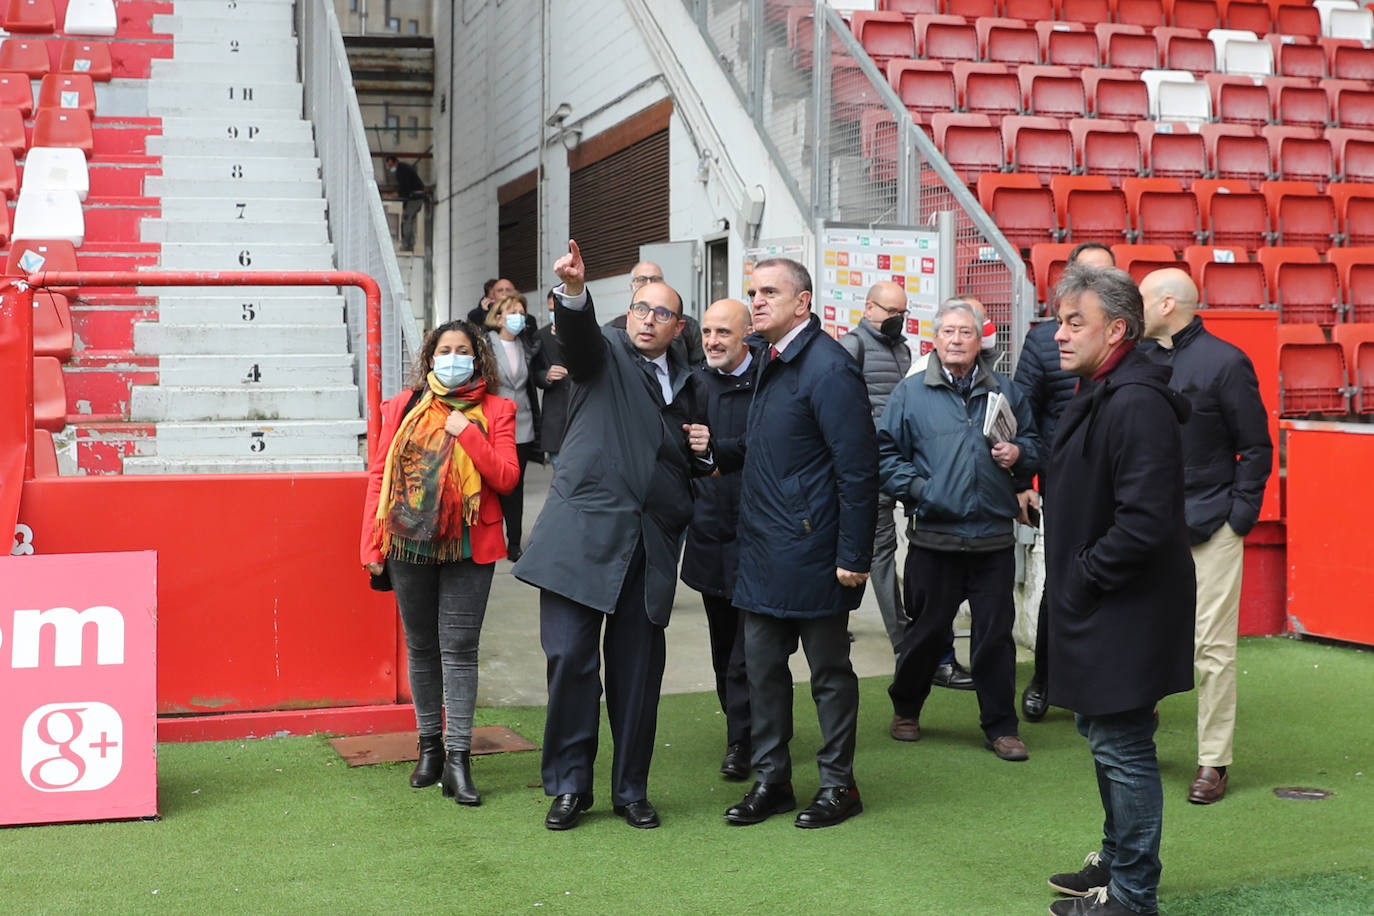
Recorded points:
(847,147)
(357,223)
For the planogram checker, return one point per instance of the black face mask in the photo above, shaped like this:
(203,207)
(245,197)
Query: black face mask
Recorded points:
(892,327)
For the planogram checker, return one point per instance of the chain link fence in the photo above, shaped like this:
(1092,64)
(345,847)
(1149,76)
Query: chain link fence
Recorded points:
(357,223)
(848,148)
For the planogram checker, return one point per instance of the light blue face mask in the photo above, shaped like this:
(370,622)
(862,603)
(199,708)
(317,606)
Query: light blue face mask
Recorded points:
(453,369)
(515,323)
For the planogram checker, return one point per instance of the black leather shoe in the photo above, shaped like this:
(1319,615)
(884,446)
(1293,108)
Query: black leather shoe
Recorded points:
(1034,701)
(566,809)
(762,802)
(832,805)
(457,781)
(954,676)
(736,763)
(430,764)
(639,814)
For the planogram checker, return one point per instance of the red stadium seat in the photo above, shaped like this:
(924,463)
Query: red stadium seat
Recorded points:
(878,139)
(1239,100)
(9,175)
(801,35)
(1347,259)
(1196,55)
(970,143)
(1301,218)
(1152,256)
(1226,278)
(44,454)
(1008,41)
(1134,51)
(63,127)
(1312,379)
(1115,94)
(1048,260)
(1030,10)
(1273,256)
(1053,92)
(884,35)
(947,38)
(1359,292)
(1354,212)
(972,9)
(25,55)
(1024,214)
(1307,293)
(1354,337)
(1299,20)
(1178,155)
(1351,61)
(995,94)
(851,92)
(67,90)
(1164,213)
(1234,218)
(1193,14)
(1038,145)
(1093,211)
(52,325)
(1353,107)
(37,16)
(1300,154)
(1087,11)
(1302,106)
(1306,61)
(1354,150)
(1300,334)
(924,86)
(89,57)
(1106,147)
(1147,13)
(49,394)
(1253,17)
(1245,158)
(16,91)
(12,135)
(1073,48)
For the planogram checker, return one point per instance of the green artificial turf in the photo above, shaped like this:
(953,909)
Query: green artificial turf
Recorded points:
(283,825)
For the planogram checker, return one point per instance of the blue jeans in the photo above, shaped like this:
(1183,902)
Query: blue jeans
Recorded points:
(1123,747)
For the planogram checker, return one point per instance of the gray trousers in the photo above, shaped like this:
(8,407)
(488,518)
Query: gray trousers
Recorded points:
(442,606)
(882,574)
(768,643)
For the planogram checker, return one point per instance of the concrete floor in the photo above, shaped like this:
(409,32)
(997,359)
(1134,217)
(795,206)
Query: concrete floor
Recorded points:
(512,663)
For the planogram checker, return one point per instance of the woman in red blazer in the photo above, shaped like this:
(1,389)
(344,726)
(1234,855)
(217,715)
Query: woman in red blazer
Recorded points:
(432,526)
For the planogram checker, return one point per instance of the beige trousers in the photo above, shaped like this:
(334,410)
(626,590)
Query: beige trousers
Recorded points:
(1219,562)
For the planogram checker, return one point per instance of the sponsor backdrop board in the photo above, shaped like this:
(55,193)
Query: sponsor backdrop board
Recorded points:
(853,258)
(775,248)
(78,727)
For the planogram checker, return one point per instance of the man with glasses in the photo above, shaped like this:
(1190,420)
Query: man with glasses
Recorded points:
(687,345)
(959,489)
(808,505)
(605,548)
(879,346)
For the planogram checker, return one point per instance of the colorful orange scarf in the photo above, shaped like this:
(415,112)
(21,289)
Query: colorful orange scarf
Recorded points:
(431,491)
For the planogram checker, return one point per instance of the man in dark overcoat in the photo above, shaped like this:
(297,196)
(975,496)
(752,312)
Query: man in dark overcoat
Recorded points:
(1121,611)
(808,508)
(604,550)
(710,558)
(551,377)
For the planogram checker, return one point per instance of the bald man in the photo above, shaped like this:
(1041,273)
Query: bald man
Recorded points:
(879,345)
(1227,458)
(711,556)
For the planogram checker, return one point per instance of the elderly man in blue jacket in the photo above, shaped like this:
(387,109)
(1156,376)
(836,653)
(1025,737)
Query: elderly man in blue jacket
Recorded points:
(809,504)
(960,493)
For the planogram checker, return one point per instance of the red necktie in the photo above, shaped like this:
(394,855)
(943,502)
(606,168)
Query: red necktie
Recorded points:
(772,353)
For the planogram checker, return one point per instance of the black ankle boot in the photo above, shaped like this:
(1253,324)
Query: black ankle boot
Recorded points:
(457,781)
(431,762)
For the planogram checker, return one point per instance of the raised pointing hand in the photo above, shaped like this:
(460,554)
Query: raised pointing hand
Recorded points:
(571,270)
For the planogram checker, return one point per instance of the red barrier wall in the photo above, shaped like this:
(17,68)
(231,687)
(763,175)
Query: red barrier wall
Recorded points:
(1255,332)
(1329,504)
(262,603)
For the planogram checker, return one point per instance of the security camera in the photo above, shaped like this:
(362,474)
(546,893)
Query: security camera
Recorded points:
(559,114)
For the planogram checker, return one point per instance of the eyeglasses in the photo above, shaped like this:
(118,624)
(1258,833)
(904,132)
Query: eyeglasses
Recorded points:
(891,313)
(961,333)
(642,310)
(637,282)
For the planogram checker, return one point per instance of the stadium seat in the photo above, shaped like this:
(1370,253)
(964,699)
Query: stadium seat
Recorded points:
(1245,158)
(1048,260)
(1301,158)
(44,454)
(1357,24)
(1053,92)
(924,86)
(63,127)
(801,35)
(1354,212)
(1106,147)
(1299,334)
(25,55)
(1298,20)
(9,176)
(1024,214)
(1190,53)
(1147,13)
(884,35)
(1226,278)
(1233,218)
(878,143)
(1038,145)
(1252,17)
(1250,58)
(1073,48)
(946,38)
(1153,78)
(1358,290)
(1354,151)
(16,92)
(1178,155)
(1029,10)
(52,325)
(1353,108)
(1188,102)
(971,9)
(1163,213)
(90,17)
(57,168)
(49,395)
(35,16)
(1193,14)
(970,143)
(1312,379)
(1007,41)
(67,90)
(1139,260)
(1305,61)
(89,57)
(1085,11)
(1238,100)
(1351,62)
(1220,38)
(1353,338)
(1302,106)
(1116,94)
(1130,50)
(996,94)
(1272,256)
(1302,219)
(33,255)
(851,91)
(12,134)
(1307,293)
(49,215)
(1092,210)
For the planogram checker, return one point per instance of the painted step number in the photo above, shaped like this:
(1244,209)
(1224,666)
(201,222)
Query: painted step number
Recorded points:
(258,443)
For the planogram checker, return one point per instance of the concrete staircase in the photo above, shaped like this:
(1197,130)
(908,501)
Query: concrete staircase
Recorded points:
(249,379)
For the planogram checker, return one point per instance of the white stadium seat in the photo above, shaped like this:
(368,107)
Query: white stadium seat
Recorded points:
(43,214)
(90,17)
(58,169)
(1248,58)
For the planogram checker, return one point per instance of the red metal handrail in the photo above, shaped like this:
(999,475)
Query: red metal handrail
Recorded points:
(60,278)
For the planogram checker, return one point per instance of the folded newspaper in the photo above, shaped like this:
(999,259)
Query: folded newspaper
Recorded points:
(999,423)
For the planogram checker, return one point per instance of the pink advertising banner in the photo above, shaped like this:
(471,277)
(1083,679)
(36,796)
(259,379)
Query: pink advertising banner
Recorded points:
(78,673)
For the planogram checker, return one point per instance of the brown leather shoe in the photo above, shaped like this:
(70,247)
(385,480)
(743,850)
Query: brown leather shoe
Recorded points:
(1008,747)
(904,729)
(1208,787)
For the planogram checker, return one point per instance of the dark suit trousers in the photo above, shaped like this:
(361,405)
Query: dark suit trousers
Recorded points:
(513,503)
(768,643)
(726,625)
(940,581)
(634,650)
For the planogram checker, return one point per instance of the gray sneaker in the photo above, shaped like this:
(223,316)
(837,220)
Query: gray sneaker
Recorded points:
(1091,876)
